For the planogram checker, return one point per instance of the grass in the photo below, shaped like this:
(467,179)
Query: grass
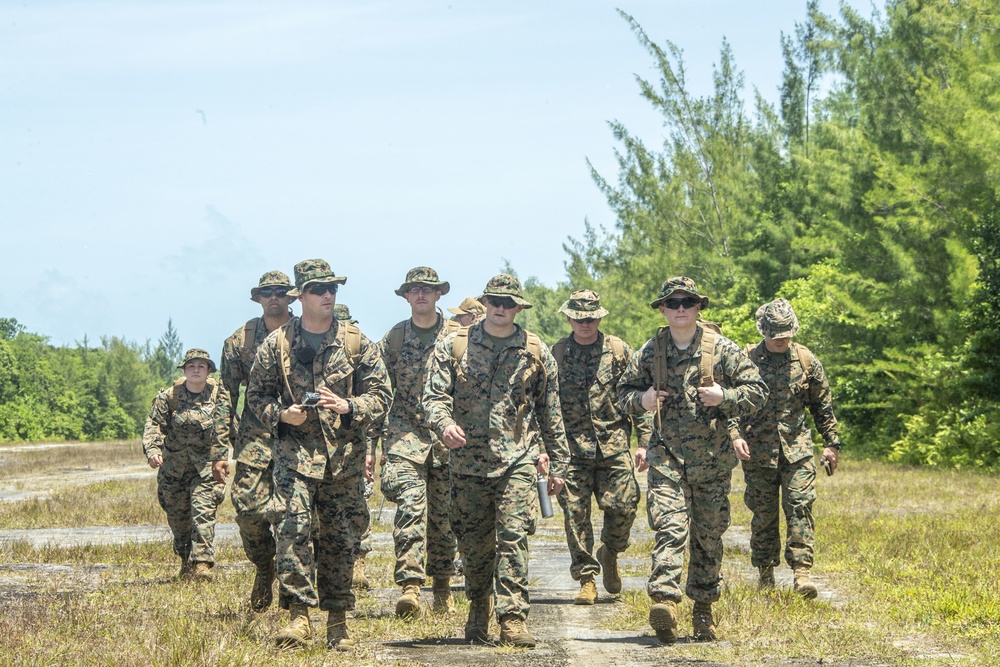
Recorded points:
(27,460)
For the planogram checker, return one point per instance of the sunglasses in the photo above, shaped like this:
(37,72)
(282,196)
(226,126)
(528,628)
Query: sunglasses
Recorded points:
(273,291)
(687,302)
(501,302)
(420,289)
(321,289)
(586,320)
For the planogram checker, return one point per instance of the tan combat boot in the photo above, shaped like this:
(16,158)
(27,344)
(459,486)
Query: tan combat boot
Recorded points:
(202,572)
(514,632)
(477,627)
(765,577)
(702,622)
(588,592)
(408,604)
(663,620)
(360,579)
(803,584)
(261,595)
(298,632)
(444,603)
(337,637)
(611,577)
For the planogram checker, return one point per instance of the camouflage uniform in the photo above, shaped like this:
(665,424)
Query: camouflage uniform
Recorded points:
(691,456)
(318,466)
(780,443)
(189,438)
(490,392)
(601,464)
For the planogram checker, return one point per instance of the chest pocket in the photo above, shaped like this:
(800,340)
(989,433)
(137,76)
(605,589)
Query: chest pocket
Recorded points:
(192,421)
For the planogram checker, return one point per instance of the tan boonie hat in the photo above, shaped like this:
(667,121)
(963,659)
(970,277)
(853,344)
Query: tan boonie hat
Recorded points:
(423,275)
(314,271)
(505,284)
(777,320)
(583,304)
(678,284)
(470,306)
(271,279)
(197,353)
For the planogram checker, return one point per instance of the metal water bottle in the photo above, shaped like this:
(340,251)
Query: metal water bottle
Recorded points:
(543,496)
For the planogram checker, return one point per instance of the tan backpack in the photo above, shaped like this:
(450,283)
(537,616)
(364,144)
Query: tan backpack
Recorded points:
(617,349)
(805,356)
(174,401)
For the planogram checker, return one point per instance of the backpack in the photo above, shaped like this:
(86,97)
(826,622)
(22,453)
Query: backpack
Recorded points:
(709,336)
(245,341)
(174,401)
(396,333)
(617,349)
(348,334)
(805,356)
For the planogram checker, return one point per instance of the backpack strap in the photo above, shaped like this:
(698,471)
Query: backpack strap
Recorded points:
(618,349)
(174,401)
(396,334)
(805,358)
(705,365)
(285,336)
(249,336)
(559,350)
(534,349)
(458,348)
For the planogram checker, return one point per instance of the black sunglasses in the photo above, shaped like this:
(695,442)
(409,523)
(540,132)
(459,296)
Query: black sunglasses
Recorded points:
(586,320)
(501,302)
(687,302)
(323,288)
(273,291)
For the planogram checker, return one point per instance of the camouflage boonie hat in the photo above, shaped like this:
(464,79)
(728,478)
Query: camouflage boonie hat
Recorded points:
(271,279)
(424,275)
(583,304)
(505,284)
(314,271)
(343,313)
(470,306)
(197,353)
(678,284)
(777,320)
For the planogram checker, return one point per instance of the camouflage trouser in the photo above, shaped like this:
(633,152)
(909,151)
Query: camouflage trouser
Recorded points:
(612,481)
(491,517)
(796,482)
(256,510)
(366,538)
(319,532)
(190,502)
(675,509)
(422,527)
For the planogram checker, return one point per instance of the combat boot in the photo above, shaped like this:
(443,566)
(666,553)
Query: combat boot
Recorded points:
(202,572)
(702,622)
(187,567)
(337,637)
(611,577)
(803,584)
(261,595)
(360,579)
(514,632)
(477,627)
(298,632)
(588,592)
(444,603)
(663,620)
(765,577)
(408,604)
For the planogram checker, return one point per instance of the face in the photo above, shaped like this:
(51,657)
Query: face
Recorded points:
(318,300)
(274,300)
(584,331)
(466,320)
(196,371)
(684,314)
(501,310)
(422,298)
(777,345)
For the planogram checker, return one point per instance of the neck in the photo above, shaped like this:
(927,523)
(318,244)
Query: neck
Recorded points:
(195,387)
(682,337)
(590,340)
(316,325)
(426,320)
(276,321)
(497,330)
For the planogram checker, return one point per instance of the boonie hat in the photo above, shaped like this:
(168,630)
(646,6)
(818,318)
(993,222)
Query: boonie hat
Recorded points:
(270,279)
(583,304)
(311,271)
(678,284)
(777,320)
(470,306)
(343,313)
(424,275)
(505,284)
(197,353)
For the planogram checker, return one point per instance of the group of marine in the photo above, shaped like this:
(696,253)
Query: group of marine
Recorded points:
(469,413)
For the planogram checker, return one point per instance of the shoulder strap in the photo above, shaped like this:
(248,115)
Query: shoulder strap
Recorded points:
(705,366)
(617,349)
(660,358)
(458,347)
(174,401)
(534,346)
(748,348)
(249,335)
(449,326)
(559,350)
(805,358)
(285,335)
(396,338)
(352,348)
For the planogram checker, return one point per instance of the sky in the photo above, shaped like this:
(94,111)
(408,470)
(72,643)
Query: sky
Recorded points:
(157,158)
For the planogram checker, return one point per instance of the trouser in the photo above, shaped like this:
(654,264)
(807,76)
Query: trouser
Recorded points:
(492,517)
(796,484)
(191,502)
(257,511)
(612,481)
(675,510)
(421,531)
(318,538)
(366,538)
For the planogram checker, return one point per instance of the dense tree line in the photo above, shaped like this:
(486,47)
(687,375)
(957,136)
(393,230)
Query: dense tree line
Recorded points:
(79,393)
(873,207)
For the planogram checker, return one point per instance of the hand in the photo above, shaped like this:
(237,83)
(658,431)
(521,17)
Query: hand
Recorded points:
(640,459)
(542,464)
(712,396)
(454,437)
(332,401)
(294,415)
(833,456)
(556,485)
(155,461)
(369,468)
(220,471)
(653,399)
(742,449)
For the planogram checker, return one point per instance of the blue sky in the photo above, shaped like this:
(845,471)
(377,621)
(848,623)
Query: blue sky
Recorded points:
(158,157)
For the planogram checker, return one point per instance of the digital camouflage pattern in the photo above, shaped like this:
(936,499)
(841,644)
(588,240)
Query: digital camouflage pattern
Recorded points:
(197,353)
(251,439)
(425,275)
(583,304)
(598,434)
(189,439)
(318,466)
(415,476)
(777,320)
(270,279)
(257,509)
(314,271)
(781,454)
(691,456)
(343,313)
(505,284)
(677,284)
